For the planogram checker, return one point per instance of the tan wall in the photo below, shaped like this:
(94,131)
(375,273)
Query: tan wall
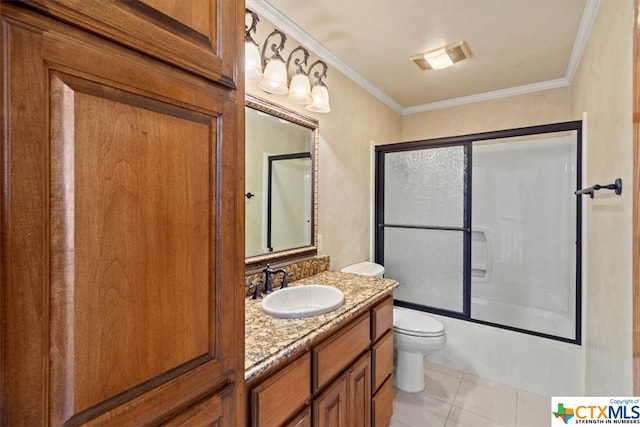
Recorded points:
(549,106)
(603,88)
(356,119)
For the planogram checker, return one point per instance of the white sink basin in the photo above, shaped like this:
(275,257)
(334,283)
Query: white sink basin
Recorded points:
(302,301)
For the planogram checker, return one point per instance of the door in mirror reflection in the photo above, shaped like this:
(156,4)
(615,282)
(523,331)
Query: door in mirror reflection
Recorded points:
(280,188)
(288,201)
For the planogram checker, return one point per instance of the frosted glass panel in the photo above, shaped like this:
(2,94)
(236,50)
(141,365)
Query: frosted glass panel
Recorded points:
(524,233)
(428,264)
(425,187)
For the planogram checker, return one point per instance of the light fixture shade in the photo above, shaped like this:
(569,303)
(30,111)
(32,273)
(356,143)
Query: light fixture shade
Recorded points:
(252,62)
(438,59)
(275,78)
(300,89)
(443,57)
(320,103)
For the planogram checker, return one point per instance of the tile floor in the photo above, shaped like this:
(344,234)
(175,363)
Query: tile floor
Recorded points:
(456,399)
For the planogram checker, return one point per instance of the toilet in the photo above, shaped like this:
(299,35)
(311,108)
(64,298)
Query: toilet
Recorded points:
(415,335)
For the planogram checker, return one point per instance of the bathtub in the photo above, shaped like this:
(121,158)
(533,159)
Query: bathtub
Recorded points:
(536,364)
(523,317)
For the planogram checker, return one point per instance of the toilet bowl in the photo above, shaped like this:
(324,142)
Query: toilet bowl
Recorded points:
(415,335)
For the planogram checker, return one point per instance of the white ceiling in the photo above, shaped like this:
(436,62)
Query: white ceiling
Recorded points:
(517,46)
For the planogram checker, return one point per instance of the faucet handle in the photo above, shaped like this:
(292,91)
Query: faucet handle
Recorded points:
(285,280)
(255,287)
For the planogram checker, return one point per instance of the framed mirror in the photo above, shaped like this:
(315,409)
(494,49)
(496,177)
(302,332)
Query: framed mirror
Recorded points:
(281,164)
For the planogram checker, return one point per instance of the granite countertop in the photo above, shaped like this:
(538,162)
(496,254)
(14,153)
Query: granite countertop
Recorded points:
(268,340)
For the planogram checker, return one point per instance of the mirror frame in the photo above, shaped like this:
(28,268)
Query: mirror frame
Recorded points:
(284,113)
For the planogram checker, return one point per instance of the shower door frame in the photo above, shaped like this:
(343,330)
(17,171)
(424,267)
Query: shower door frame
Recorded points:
(467,142)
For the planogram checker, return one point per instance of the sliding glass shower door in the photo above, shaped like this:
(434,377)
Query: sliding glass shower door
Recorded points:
(486,227)
(425,225)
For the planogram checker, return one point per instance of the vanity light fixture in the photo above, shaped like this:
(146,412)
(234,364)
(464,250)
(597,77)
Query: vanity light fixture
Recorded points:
(275,78)
(442,57)
(275,69)
(319,93)
(300,88)
(252,60)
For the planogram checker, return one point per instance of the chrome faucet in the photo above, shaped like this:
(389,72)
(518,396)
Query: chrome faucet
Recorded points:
(268,278)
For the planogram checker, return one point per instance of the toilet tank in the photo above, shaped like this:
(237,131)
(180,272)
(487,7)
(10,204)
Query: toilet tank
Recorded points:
(365,268)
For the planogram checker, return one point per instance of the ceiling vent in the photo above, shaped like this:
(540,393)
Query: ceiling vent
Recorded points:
(442,57)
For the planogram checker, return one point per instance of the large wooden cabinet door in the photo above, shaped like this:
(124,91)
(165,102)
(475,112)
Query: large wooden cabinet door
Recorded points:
(197,35)
(119,252)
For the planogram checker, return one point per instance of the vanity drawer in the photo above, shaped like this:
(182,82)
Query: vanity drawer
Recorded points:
(381,318)
(382,404)
(333,356)
(283,395)
(382,357)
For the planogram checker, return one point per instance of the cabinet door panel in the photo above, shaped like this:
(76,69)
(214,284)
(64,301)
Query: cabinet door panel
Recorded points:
(130,209)
(330,409)
(197,35)
(129,167)
(359,383)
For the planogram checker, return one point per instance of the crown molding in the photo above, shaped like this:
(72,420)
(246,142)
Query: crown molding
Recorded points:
(588,18)
(488,96)
(265,9)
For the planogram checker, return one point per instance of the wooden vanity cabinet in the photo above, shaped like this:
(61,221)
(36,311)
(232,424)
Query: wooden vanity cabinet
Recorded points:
(382,363)
(349,378)
(121,248)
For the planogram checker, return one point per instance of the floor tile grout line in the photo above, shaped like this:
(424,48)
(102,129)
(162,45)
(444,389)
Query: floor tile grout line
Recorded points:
(453,401)
(519,394)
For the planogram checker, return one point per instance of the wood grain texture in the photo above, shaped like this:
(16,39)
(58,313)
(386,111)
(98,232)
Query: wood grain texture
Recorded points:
(184,34)
(283,395)
(330,408)
(381,318)
(131,211)
(120,248)
(359,393)
(301,420)
(24,245)
(382,404)
(382,359)
(334,355)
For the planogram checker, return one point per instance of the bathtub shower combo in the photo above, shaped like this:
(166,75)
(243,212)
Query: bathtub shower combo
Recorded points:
(485,228)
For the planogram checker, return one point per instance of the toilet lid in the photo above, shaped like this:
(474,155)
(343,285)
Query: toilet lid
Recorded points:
(415,323)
